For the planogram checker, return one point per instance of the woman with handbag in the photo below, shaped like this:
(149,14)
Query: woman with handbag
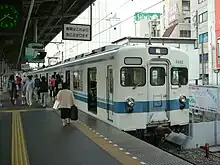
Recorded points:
(66,101)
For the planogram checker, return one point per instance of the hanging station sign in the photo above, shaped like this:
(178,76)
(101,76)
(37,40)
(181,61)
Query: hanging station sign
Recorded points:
(80,32)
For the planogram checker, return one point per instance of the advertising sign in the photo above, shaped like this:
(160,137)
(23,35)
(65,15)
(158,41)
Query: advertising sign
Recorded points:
(174,10)
(79,32)
(204,98)
(217,30)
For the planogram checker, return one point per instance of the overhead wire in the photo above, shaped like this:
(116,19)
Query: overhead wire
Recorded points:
(119,22)
(103,18)
(125,3)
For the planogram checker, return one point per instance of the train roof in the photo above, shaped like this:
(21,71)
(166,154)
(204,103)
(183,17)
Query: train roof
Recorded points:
(102,51)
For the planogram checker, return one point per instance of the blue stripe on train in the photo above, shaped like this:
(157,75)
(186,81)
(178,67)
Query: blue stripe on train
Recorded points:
(142,106)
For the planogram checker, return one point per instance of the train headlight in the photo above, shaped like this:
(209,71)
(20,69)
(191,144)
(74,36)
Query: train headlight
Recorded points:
(130,102)
(182,99)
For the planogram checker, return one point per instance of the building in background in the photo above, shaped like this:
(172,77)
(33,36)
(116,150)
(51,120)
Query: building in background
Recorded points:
(147,24)
(176,18)
(205,16)
(198,19)
(112,19)
(200,30)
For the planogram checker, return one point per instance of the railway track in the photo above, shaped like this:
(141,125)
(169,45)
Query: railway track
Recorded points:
(193,156)
(173,149)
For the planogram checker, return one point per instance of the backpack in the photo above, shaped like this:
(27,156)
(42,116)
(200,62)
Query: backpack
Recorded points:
(43,87)
(37,82)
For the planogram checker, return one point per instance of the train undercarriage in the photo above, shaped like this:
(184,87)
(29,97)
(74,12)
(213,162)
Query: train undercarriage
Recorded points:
(156,135)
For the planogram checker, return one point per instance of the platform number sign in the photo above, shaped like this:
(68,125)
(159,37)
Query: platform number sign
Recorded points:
(179,62)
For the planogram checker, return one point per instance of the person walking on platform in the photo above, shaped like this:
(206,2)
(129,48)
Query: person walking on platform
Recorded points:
(18,84)
(12,89)
(43,91)
(23,93)
(58,83)
(36,87)
(52,83)
(29,87)
(66,100)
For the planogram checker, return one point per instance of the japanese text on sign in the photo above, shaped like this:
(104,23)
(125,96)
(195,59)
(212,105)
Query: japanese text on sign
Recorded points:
(77,32)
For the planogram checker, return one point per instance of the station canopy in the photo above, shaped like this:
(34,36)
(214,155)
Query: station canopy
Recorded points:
(50,16)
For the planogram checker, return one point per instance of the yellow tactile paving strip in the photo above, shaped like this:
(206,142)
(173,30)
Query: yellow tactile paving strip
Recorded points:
(114,151)
(19,148)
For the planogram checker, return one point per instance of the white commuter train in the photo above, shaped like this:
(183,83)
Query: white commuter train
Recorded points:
(130,87)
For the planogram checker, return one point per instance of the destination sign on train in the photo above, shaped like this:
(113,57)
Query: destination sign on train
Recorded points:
(157,51)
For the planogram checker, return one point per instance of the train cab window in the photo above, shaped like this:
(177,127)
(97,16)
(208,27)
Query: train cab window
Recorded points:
(179,76)
(133,76)
(157,76)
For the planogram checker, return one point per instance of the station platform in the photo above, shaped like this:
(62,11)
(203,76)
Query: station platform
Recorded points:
(35,136)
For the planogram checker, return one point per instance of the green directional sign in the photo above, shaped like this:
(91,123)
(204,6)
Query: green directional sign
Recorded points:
(146,16)
(30,56)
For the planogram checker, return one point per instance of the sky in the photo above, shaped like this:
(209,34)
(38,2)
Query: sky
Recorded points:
(125,9)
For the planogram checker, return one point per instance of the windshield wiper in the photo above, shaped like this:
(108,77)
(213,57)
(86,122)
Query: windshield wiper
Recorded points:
(136,85)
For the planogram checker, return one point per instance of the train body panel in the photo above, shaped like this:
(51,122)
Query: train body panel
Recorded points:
(132,87)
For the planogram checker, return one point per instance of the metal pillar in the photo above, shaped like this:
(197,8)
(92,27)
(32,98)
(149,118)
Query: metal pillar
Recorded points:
(216,72)
(203,64)
(135,28)
(25,30)
(216,119)
(35,36)
(150,32)
(218,109)
(91,19)
(192,124)
(35,30)
(62,57)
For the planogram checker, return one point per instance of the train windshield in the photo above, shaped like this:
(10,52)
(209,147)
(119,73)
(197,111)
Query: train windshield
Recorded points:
(179,76)
(133,76)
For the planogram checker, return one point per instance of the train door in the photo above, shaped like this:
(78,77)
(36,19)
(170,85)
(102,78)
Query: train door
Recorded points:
(109,92)
(158,93)
(92,90)
(67,78)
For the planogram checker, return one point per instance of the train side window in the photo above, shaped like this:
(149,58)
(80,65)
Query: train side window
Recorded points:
(157,76)
(179,76)
(77,80)
(133,76)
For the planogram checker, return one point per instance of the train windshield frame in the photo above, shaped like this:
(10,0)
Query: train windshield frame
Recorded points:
(132,76)
(179,76)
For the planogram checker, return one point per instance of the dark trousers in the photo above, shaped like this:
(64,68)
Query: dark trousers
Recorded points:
(65,113)
(13,94)
(52,92)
